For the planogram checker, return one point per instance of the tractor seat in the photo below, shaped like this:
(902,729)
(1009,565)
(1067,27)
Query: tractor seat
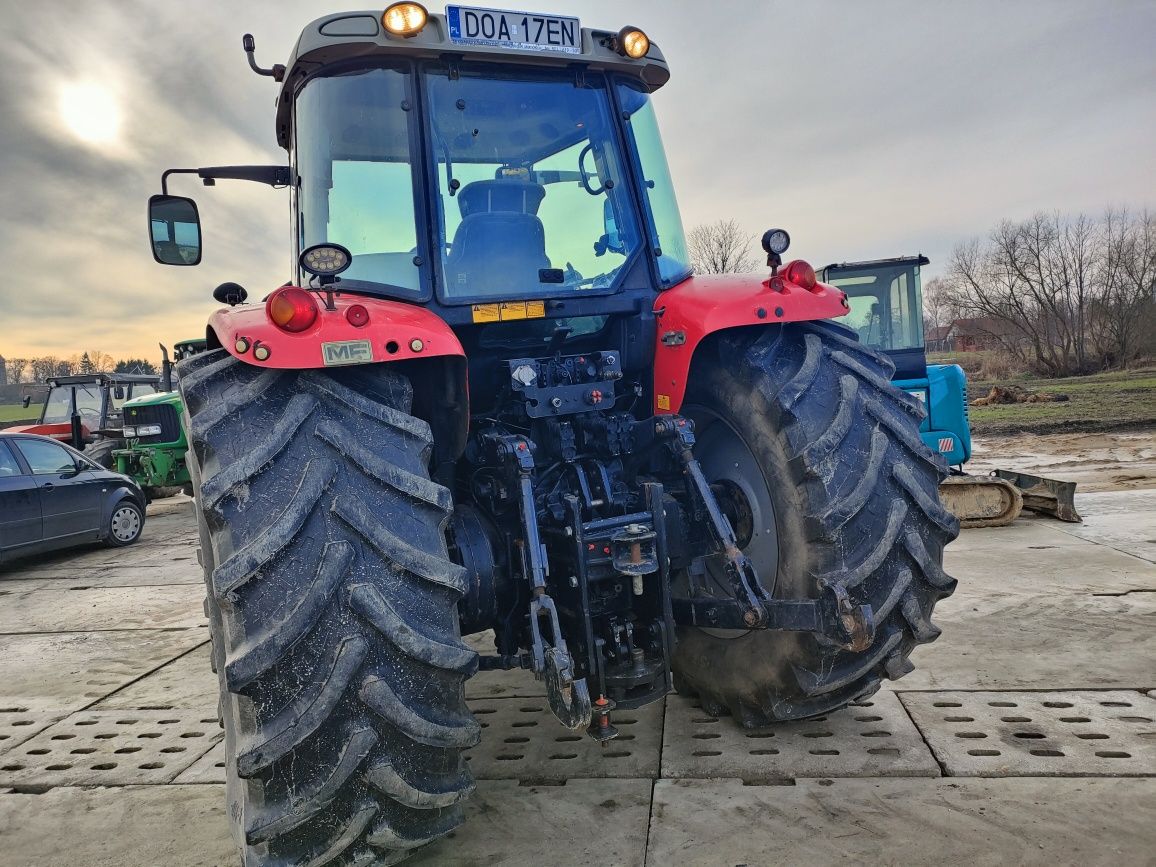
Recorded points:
(504,196)
(500,245)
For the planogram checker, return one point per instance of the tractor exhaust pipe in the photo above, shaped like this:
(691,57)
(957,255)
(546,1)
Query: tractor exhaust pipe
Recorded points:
(76,431)
(166,369)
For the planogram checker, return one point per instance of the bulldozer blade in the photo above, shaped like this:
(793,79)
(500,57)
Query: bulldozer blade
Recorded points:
(1047,496)
(981,501)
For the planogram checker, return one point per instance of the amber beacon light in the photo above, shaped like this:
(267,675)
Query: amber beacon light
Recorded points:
(404,19)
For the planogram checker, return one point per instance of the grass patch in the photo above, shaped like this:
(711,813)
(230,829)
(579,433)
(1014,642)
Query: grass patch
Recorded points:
(13,412)
(1100,402)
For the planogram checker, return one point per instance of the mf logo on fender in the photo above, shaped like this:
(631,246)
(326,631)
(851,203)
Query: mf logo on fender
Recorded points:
(346,352)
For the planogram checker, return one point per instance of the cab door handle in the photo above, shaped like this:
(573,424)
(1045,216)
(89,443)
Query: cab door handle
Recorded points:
(47,486)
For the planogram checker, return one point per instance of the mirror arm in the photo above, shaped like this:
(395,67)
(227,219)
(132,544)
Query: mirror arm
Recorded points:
(274,176)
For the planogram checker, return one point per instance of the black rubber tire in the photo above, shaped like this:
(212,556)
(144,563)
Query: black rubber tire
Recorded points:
(100,452)
(854,495)
(162,493)
(110,532)
(333,607)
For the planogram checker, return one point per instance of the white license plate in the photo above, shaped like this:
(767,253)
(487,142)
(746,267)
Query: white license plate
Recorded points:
(530,31)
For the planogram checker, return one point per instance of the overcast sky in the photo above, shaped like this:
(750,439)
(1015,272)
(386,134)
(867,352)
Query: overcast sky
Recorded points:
(867,129)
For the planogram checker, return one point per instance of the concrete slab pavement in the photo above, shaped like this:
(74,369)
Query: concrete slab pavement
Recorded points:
(904,821)
(186,682)
(1124,520)
(871,738)
(131,826)
(85,609)
(70,671)
(1038,734)
(1038,608)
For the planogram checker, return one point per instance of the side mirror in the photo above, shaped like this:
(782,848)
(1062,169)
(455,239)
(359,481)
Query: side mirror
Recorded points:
(27,400)
(118,392)
(175,230)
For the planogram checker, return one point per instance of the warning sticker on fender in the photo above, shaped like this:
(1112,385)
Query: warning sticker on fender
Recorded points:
(346,352)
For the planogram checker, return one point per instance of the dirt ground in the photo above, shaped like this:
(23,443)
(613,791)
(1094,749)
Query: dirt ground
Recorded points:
(1095,461)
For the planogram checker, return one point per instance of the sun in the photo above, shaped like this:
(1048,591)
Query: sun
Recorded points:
(90,112)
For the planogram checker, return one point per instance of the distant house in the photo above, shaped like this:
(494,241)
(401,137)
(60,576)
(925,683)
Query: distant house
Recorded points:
(939,339)
(980,333)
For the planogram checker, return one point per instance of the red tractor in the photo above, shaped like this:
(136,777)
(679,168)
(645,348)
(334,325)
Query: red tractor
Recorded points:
(84,411)
(494,396)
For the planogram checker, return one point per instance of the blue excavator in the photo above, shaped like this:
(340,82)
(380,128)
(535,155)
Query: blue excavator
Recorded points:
(886,299)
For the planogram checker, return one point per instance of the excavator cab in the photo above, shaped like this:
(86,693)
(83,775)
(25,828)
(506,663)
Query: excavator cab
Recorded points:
(886,301)
(885,298)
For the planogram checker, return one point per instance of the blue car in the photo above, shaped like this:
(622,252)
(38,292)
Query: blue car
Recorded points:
(52,496)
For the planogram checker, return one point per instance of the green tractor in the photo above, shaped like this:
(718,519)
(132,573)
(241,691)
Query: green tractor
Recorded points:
(155,434)
(492,395)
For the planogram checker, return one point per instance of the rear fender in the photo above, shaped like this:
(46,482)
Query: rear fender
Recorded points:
(436,367)
(332,341)
(703,305)
(61,431)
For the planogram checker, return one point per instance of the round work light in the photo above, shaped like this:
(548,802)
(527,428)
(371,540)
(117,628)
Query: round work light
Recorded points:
(404,19)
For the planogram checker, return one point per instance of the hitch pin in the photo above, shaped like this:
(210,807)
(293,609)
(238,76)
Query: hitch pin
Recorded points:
(600,728)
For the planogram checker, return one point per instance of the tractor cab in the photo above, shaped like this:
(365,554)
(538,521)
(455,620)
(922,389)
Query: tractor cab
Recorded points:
(514,185)
(187,348)
(886,301)
(83,408)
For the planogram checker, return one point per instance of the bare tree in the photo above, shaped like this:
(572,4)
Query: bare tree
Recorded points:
(102,362)
(938,309)
(44,367)
(1034,281)
(1125,313)
(16,368)
(721,248)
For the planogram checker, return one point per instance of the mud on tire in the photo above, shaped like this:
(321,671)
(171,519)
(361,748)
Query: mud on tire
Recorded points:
(855,500)
(334,611)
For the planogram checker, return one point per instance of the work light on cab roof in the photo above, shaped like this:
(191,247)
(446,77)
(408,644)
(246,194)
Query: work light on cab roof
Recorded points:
(404,19)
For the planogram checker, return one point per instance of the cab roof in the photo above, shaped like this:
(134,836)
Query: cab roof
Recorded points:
(880,263)
(351,35)
(103,379)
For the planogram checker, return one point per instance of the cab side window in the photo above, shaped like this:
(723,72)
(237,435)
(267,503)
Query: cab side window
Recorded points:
(8,463)
(45,458)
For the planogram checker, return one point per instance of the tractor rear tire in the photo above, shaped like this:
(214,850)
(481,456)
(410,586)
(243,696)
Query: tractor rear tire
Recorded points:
(848,494)
(162,493)
(100,452)
(333,607)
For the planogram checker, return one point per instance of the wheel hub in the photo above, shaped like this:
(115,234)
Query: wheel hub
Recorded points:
(744,496)
(125,524)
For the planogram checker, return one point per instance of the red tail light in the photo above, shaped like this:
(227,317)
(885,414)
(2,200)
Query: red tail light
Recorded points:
(801,274)
(357,315)
(291,309)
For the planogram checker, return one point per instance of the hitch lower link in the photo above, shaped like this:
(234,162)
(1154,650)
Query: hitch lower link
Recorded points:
(568,697)
(831,616)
